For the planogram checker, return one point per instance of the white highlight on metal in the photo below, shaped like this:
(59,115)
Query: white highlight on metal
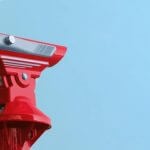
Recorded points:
(11,39)
(24,59)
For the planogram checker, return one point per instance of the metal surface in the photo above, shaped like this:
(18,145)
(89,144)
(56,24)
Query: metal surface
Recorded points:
(19,45)
(21,122)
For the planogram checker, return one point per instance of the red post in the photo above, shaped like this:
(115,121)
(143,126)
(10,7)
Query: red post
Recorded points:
(21,122)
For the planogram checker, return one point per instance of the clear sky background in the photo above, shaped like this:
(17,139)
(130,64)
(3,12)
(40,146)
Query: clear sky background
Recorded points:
(98,96)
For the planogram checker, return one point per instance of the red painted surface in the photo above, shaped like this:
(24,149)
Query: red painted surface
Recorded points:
(21,122)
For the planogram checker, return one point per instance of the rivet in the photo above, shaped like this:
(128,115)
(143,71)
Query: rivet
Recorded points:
(10,39)
(24,76)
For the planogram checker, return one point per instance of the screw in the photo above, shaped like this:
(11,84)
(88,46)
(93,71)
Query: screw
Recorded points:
(10,40)
(24,76)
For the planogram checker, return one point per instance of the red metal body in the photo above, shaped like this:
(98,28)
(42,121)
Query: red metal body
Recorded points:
(21,122)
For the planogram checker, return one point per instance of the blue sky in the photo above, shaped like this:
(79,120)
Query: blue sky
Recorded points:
(98,96)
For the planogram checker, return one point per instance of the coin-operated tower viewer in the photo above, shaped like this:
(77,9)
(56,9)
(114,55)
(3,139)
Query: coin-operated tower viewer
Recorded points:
(21,62)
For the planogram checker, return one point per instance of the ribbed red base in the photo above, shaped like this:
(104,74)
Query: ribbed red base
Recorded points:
(13,139)
(19,135)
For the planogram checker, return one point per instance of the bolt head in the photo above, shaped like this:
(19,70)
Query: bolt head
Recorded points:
(24,76)
(10,39)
